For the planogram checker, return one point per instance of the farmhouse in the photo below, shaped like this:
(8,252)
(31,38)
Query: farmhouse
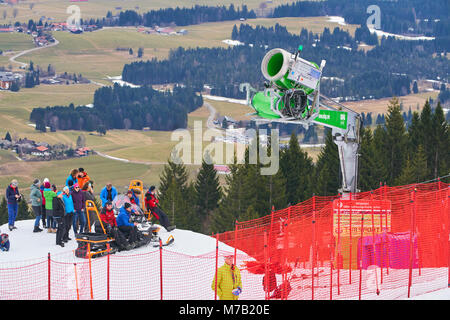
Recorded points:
(7,79)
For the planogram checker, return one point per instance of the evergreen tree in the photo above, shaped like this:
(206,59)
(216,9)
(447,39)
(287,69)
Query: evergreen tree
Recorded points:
(23,212)
(415,88)
(15,86)
(440,160)
(233,204)
(3,211)
(370,171)
(395,141)
(427,132)
(296,168)
(327,173)
(207,192)
(173,171)
(414,134)
(140,52)
(415,170)
(250,214)
(8,137)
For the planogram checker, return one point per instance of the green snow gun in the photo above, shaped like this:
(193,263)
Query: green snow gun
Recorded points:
(292,91)
(292,95)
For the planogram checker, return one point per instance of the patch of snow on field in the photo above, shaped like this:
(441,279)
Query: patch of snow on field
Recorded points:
(337,19)
(381,33)
(233,42)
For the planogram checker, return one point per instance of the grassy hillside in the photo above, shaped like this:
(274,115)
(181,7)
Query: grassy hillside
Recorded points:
(56,9)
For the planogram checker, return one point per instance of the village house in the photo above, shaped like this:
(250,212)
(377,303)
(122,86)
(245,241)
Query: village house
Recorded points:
(222,169)
(6,80)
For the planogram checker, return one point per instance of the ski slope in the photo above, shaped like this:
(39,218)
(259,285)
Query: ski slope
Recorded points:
(26,245)
(188,267)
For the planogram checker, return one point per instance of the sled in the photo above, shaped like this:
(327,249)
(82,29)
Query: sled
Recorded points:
(92,245)
(168,242)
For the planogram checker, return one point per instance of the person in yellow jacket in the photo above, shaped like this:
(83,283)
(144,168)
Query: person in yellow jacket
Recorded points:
(229,284)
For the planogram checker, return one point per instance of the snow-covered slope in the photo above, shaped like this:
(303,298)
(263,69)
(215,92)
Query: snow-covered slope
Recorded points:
(26,245)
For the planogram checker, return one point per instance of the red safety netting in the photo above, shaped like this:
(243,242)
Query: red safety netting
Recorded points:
(389,243)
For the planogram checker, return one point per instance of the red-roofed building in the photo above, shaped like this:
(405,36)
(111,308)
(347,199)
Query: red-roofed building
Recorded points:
(222,169)
(41,148)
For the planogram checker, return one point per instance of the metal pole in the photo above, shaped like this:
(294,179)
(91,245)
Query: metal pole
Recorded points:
(360,254)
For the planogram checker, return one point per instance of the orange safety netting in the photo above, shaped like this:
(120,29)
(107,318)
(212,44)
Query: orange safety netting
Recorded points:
(389,243)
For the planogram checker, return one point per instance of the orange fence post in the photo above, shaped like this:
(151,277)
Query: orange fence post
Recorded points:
(266,282)
(235,241)
(76,281)
(90,271)
(217,263)
(107,270)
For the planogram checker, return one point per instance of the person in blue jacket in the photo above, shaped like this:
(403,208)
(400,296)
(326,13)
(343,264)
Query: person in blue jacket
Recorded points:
(128,228)
(70,209)
(13,198)
(108,193)
(72,178)
(4,242)
(133,197)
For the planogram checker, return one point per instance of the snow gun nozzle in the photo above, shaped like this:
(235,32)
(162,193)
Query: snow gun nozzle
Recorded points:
(300,49)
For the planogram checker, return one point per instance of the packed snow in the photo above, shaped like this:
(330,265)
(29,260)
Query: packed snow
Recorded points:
(337,19)
(118,80)
(381,33)
(190,267)
(26,245)
(218,98)
(233,42)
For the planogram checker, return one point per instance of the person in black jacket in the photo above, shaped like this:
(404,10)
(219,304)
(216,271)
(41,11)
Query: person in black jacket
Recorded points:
(59,211)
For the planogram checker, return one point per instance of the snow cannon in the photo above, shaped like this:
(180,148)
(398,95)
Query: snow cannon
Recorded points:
(291,80)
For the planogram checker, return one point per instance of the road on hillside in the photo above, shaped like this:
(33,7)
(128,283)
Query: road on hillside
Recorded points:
(13,58)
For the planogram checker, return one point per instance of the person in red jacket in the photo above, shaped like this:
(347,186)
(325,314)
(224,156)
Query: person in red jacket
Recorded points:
(110,224)
(151,203)
(107,215)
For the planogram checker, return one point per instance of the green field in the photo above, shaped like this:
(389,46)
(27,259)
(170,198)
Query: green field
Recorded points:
(56,9)
(94,54)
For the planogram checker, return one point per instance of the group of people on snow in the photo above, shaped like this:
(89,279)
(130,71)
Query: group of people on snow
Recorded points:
(65,209)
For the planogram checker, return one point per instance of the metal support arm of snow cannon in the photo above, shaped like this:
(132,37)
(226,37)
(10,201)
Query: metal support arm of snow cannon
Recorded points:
(292,95)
